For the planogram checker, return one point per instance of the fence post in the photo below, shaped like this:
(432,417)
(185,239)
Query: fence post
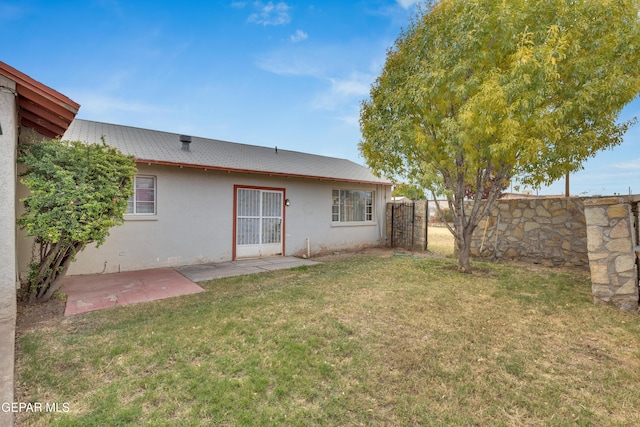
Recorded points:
(612,260)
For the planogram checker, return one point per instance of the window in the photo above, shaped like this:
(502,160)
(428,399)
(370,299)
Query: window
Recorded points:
(352,206)
(143,199)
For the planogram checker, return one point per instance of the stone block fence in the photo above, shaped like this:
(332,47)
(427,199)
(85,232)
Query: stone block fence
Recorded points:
(600,233)
(548,231)
(612,231)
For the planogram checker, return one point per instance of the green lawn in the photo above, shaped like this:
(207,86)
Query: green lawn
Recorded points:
(365,340)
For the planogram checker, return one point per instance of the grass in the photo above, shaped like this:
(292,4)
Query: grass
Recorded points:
(440,240)
(366,340)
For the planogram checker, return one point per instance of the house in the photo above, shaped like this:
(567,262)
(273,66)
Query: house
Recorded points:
(196,200)
(201,200)
(28,109)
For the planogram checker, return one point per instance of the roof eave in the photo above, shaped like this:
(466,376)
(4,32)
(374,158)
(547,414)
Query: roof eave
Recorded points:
(41,108)
(257,172)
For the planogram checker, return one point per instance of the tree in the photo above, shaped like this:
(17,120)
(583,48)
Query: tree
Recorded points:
(77,193)
(409,191)
(476,94)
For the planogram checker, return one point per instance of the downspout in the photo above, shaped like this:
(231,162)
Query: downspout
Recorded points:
(381,212)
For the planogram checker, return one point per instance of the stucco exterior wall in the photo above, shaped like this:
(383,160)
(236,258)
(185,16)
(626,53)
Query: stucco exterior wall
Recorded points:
(8,142)
(194,222)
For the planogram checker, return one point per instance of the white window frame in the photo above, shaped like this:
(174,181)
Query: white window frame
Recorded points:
(338,209)
(133,198)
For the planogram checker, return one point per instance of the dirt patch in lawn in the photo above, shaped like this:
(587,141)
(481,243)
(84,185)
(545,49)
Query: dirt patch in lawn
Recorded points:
(36,316)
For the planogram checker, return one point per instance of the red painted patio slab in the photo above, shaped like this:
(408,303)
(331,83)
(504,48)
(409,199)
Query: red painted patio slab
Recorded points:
(95,292)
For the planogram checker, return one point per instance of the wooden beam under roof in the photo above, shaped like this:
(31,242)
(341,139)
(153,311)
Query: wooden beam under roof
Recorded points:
(43,109)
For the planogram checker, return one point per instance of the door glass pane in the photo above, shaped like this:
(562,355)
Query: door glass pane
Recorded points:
(248,231)
(271,204)
(248,202)
(271,230)
(259,217)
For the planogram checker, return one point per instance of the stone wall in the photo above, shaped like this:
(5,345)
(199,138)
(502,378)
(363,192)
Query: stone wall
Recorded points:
(548,231)
(601,233)
(612,236)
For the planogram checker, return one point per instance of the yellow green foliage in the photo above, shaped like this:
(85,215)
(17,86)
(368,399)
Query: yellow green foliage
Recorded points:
(477,93)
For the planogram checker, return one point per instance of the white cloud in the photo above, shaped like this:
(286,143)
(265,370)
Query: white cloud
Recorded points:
(298,36)
(270,14)
(352,120)
(107,108)
(340,85)
(339,77)
(292,63)
(357,85)
(631,164)
(343,92)
(315,60)
(406,4)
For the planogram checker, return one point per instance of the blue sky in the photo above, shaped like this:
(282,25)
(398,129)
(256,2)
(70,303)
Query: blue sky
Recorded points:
(272,73)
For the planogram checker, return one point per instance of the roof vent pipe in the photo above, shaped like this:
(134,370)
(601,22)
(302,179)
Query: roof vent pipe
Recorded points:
(186,140)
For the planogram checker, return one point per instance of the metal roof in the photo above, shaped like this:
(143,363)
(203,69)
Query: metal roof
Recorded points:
(156,147)
(41,108)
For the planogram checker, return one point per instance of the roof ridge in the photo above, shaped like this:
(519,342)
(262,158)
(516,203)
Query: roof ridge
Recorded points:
(160,147)
(220,140)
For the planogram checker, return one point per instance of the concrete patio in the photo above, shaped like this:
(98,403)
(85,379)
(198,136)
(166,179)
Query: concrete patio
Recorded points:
(99,291)
(203,272)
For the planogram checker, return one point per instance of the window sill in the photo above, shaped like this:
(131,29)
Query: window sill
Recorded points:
(353,224)
(130,217)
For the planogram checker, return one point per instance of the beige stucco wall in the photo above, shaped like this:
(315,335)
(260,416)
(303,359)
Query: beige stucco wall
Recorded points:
(8,141)
(195,222)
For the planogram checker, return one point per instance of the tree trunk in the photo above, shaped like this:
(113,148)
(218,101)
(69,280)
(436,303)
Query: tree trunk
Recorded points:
(467,216)
(51,271)
(463,245)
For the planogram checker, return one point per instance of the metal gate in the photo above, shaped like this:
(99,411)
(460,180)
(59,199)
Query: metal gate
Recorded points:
(403,218)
